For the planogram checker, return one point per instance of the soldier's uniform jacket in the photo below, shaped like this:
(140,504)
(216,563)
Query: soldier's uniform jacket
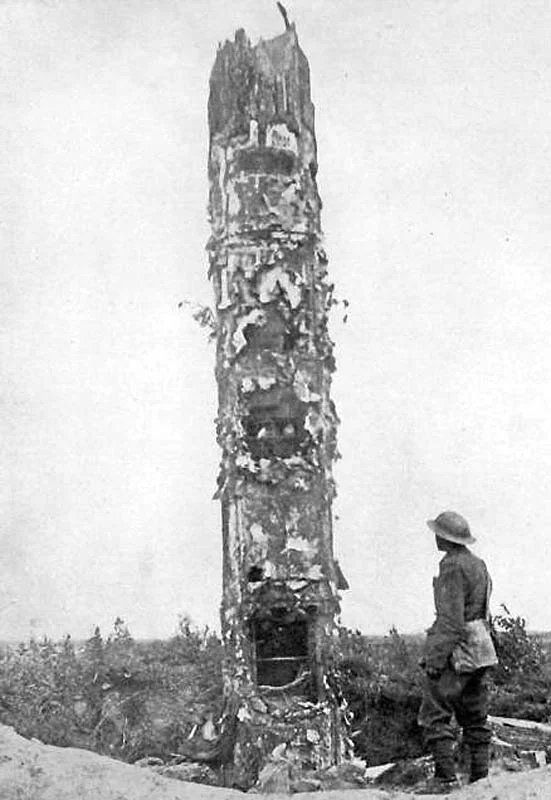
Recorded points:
(459,596)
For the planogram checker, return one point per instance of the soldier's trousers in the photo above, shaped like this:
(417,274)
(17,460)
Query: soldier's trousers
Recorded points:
(466,696)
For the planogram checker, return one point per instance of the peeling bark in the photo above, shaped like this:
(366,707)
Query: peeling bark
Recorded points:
(276,422)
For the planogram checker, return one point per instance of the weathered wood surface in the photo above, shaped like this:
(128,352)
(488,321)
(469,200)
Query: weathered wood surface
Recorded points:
(522,738)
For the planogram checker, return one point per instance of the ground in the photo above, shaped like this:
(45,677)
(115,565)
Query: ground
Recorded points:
(30,770)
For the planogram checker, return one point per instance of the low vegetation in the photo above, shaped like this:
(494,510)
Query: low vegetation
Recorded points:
(116,695)
(131,699)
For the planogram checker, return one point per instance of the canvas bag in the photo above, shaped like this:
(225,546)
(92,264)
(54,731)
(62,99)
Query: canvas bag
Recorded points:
(477,649)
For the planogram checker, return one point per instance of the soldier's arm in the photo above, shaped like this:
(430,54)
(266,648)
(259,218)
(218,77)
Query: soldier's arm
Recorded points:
(448,628)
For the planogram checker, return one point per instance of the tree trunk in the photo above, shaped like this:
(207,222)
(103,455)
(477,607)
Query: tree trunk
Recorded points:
(276,422)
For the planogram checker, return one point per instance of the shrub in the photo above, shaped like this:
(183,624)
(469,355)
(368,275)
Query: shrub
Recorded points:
(522,680)
(521,654)
(38,683)
(381,683)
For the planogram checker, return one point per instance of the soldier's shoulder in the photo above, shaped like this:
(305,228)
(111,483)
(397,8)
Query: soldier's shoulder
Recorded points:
(461,557)
(472,557)
(451,561)
(472,563)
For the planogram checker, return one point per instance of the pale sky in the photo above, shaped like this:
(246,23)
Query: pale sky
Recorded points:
(433,128)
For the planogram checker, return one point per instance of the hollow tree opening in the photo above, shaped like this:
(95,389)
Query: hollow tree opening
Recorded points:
(275,424)
(281,645)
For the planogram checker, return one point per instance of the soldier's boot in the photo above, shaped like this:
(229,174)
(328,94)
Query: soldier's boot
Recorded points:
(480,757)
(444,759)
(445,779)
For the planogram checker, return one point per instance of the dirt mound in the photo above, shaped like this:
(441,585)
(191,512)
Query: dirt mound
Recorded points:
(30,770)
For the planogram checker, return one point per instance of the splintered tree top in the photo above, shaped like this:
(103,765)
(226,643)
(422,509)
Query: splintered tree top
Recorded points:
(268,82)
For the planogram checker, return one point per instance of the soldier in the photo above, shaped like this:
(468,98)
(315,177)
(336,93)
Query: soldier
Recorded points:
(461,594)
